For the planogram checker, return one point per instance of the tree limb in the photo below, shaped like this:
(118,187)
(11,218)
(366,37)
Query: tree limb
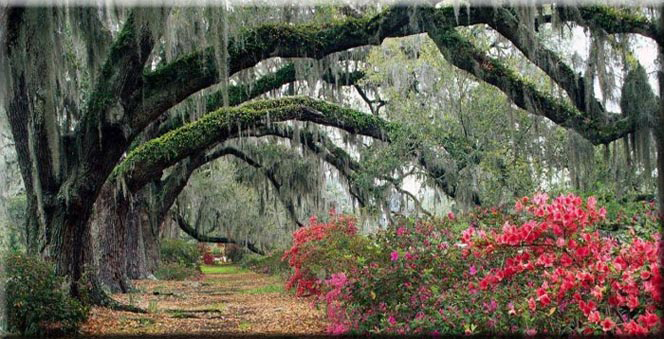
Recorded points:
(184,225)
(149,159)
(174,82)
(461,53)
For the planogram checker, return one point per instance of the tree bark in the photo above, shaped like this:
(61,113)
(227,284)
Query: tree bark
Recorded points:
(143,246)
(110,218)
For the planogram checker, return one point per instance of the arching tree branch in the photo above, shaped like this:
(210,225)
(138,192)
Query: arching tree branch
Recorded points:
(172,83)
(184,225)
(464,55)
(149,159)
(238,94)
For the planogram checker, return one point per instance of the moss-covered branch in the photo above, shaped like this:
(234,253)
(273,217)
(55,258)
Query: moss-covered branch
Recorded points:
(505,21)
(464,55)
(611,20)
(172,83)
(148,160)
(238,94)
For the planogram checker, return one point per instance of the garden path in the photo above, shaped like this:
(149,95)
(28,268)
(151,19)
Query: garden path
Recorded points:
(226,300)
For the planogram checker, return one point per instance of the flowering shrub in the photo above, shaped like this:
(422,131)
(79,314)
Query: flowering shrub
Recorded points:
(562,275)
(208,258)
(543,267)
(318,250)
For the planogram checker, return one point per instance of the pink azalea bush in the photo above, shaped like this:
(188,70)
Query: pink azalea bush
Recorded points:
(545,266)
(314,252)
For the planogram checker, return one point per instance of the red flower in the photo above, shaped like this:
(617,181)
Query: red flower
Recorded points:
(649,320)
(594,317)
(632,302)
(607,324)
(645,275)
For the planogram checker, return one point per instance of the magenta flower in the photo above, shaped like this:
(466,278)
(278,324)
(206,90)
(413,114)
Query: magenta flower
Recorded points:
(391,320)
(472,270)
(394,256)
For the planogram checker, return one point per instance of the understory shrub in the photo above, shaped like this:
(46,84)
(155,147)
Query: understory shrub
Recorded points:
(235,253)
(176,271)
(269,263)
(37,299)
(543,266)
(181,252)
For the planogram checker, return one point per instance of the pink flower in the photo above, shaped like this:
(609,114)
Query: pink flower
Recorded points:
(401,231)
(645,275)
(391,320)
(511,311)
(540,198)
(472,270)
(394,256)
(531,332)
(450,215)
(337,329)
(594,317)
(602,212)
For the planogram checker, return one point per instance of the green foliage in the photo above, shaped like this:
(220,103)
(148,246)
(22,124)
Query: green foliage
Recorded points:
(175,271)
(13,236)
(175,251)
(222,269)
(492,271)
(235,253)
(270,263)
(278,288)
(37,302)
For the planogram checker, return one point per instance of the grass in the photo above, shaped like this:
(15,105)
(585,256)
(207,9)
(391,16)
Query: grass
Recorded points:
(153,307)
(222,269)
(265,289)
(221,307)
(244,326)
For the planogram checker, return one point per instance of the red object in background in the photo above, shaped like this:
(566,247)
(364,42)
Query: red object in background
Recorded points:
(208,258)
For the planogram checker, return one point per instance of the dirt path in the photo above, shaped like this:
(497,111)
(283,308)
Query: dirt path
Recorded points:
(228,301)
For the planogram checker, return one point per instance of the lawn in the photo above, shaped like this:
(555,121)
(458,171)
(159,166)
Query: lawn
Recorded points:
(222,269)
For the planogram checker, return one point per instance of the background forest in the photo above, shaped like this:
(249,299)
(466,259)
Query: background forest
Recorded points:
(129,134)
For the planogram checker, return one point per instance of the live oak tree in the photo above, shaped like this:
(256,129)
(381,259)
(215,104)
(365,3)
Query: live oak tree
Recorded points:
(69,142)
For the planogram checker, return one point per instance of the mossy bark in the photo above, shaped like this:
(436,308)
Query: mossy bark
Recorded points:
(461,53)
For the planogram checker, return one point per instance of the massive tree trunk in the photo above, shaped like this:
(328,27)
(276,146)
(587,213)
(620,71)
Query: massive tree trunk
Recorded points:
(142,237)
(64,170)
(129,232)
(110,219)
